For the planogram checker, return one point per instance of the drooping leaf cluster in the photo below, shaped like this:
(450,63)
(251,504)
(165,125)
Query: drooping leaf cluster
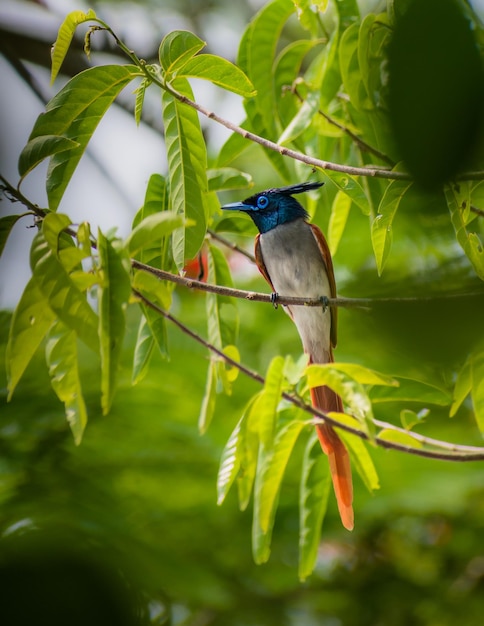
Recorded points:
(315,81)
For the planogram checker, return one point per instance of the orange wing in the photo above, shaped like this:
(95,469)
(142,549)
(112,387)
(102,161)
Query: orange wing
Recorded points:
(325,253)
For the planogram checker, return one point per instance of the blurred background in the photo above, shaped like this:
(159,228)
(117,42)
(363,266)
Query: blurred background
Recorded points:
(124,529)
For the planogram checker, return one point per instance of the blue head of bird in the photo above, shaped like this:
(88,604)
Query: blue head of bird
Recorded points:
(273,207)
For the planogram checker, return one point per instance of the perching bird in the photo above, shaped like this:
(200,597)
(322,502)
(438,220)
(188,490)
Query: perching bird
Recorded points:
(294,258)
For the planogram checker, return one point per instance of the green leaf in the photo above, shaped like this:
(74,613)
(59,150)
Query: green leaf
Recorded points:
(458,200)
(222,315)
(303,118)
(360,457)
(142,351)
(340,210)
(270,474)
(317,374)
(272,464)
(62,359)
(187,163)
(257,53)
(152,229)
(381,228)
(313,502)
(64,38)
(113,296)
(351,187)
(220,72)
(269,400)
(234,146)
(6,225)
(348,380)
(239,458)
(397,436)
(177,48)
(207,408)
(153,288)
(140,99)
(157,326)
(65,299)
(223,178)
(471,380)
(31,321)
(73,114)
(410,390)
(40,148)
(463,386)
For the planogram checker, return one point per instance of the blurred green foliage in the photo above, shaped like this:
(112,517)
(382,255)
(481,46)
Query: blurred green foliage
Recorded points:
(137,499)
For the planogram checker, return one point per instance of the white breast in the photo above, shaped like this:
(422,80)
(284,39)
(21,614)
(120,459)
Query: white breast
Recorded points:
(296,268)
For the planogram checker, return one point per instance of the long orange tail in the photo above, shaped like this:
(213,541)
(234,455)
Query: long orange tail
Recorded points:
(339,461)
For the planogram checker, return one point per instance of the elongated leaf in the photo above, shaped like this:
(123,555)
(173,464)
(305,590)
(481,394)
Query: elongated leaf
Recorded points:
(222,316)
(177,48)
(340,211)
(74,114)
(287,68)
(223,178)
(396,436)
(381,228)
(64,38)
(410,390)
(458,200)
(470,380)
(239,457)
(140,99)
(317,374)
(351,187)
(249,448)
(270,471)
(303,118)
(220,72)
(152,229)
(269,399)
(31,321)
(187,163)
(257,53)
(313,502)
(65,299)
(142,351)
(154,289)
(229,463)
(233,147)
(113,296)
(351,391)
(40,148)
(6,225)
(62,359)
(360,457)
(157,326)
(208,402)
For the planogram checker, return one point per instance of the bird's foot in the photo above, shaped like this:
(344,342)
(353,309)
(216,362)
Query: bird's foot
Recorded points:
(324,302)
(274,296)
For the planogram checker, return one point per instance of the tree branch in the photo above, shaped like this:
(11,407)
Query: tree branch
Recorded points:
(447,452)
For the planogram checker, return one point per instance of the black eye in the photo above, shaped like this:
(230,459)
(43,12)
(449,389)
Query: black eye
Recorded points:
(262,202)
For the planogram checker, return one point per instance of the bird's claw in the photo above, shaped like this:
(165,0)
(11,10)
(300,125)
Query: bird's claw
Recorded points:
(274,296)
(324,302)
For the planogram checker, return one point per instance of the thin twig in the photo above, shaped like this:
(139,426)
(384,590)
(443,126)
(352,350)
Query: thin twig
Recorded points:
(453,452)
(365,147)
(349,303)
(477,211)
(230,245)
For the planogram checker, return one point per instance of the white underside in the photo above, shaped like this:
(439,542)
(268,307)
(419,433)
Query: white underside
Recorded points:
(296,268)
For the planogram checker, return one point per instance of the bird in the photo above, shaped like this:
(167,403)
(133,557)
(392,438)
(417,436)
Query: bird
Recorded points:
(294,258)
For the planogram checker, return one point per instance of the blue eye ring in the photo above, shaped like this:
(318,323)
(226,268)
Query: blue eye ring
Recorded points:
(262,202)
